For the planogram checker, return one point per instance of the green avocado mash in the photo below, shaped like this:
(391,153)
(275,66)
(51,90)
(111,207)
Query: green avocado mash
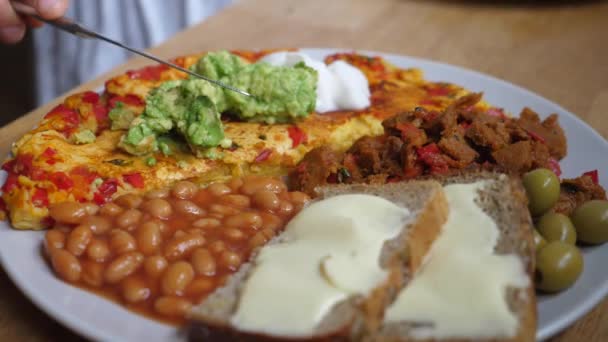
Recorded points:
(121,117)
(193,107)
(85,136)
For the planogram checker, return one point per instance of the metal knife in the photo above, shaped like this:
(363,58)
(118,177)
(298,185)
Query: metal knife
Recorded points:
(79,30)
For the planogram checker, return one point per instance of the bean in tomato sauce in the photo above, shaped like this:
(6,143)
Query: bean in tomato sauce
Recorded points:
(162,252)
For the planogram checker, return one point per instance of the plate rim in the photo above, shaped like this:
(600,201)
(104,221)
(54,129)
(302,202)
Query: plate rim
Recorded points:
(88,330)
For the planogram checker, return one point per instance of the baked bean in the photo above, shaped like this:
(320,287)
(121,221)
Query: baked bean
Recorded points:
(158,207)
(92,273)
(236,200)
(122,267)
(235,184)
(91,208)
(155,265)
(172,306)
(66,265)
(199,286)
(184,190)
(285,208)
(68,212)
(203,262)
(128,218)
(98,250)
(158,193)
(266,200)
(179,233)
(253,184)
(62,227)
(129,201)
(271,221)
(182,246)
(230,260)
(244,220)
(78,240)
(111,209)
(234,234)
(257,240)
(148,237)
(222,209)
(206,223)
(268,233)
(217,246)
(219,189)
(134,289)
(188,208)
(54,238)
(97,224)
(121,242)
(298,198)
(176,278)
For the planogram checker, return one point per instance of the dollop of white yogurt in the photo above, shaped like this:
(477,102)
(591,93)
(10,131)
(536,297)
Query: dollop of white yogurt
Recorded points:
(340,86)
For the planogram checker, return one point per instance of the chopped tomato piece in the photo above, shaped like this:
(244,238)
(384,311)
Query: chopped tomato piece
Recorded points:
(131,100)
(594,176)
(297,136)
(554,166)
(149,73)
(68,119)
(90,97)
(101,115)
(84,172)
(105,191)
(263,155)
(135,179)
(61,180)
(10,183)
(9,165)
(49,155)
(40,198)
(24,164)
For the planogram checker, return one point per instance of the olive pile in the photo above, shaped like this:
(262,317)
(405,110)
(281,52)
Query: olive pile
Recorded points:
(559,262)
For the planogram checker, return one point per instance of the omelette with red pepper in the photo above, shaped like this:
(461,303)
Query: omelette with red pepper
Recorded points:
(73,154)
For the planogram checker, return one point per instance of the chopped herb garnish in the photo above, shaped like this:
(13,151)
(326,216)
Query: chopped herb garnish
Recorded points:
(151,161)
(119,162)
(343,174)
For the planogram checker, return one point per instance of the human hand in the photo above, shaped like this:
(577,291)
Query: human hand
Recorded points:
(12,25)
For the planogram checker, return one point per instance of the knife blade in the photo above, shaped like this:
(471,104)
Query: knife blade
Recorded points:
(71,26)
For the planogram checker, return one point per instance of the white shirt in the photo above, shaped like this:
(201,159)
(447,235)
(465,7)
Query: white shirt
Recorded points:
(63,61)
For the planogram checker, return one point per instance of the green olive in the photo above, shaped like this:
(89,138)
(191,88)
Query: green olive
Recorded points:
(539,240)
(591,221)
(556,227)
(558,266)
(542,187)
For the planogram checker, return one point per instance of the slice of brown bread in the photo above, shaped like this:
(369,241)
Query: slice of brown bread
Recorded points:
(505,201)
(359,315)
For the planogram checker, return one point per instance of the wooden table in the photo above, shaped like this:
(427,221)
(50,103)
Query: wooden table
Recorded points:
(558,51)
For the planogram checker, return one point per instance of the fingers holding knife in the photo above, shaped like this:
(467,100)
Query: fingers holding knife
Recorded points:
(13,26)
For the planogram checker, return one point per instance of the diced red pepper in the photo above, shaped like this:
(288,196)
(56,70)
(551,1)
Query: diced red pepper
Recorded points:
(129,99)
(40,198)
(9,165)
(263,155)
(105,191)
(61,180)
(554,166)
(2,204)
(69,118)
(438,91)
(432,157)
(594,176)
(49,155)
(149,73)
(101,115)
(90,97)
(536,136)
(297,136)
(10,183)
(410,133)
(135,179)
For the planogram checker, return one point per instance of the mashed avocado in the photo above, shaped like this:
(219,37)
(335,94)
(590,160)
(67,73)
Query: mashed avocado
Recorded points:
(193,107)
(121,117)
(83,137)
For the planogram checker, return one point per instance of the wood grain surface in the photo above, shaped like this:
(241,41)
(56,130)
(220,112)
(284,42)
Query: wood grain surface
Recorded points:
(557,49)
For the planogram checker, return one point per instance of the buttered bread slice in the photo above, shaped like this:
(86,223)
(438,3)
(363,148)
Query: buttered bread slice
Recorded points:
(476,281)
(334,269)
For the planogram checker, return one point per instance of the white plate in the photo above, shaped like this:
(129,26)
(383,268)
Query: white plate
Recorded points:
(100,319)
